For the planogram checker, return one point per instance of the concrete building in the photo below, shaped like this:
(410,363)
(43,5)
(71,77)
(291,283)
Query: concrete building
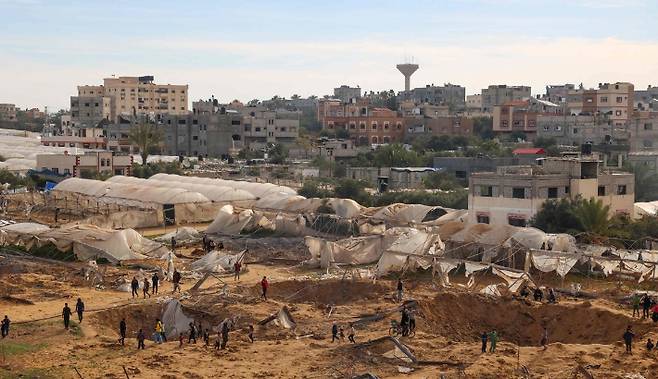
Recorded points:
(514,194)
(521,115)
(451,95)
(559,93)
(347,94)
(438,126)
(648,159)
(643,132)
(334,149)
(140,96)
(392,178)
(644,100)
(82,138)
(262,127)
(212,134)
(577,130)
(615,100)
(474,102)
(364,124)
(8,112)
(85,165)
(501,94)
(89,111)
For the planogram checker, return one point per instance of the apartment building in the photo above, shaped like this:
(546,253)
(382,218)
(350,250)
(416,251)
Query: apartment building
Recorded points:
(131,95)
(335,149)
(474,102)
(449,94)
(262,126)
(643,132)
(365,124)
(85,165)
(79,137)
(393,178)
(645,100)
(558,93)
(500,94)
(210,134)
(514,194)
(438,126)
(89,111)
(521,115)
(615,100)
(577,130)
(8,112)
(347,94)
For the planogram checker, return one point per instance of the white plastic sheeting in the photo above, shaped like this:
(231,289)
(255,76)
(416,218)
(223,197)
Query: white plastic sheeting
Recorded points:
(174,319)
(216,261)
(404,214)
(184,235)
(87,241)
(561,264)
(646,209)
(230,222)
(533,238)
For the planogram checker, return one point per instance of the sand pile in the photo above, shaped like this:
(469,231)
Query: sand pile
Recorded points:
(464,317)
(325,292)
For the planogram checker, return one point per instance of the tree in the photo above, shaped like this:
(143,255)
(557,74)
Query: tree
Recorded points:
(352,189)
(146,137)
(278,154)
(253,102)
(593,216)
(342,133)
(7,177)
(646,182)
(396,155)
(557,216)
(442,181)
(483,127)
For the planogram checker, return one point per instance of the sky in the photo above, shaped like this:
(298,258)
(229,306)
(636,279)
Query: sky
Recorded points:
(257,49)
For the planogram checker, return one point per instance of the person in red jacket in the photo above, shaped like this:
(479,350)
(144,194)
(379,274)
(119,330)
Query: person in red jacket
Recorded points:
(264,285)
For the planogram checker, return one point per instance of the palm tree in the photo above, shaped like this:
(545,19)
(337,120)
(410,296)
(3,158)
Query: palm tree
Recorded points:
(145,136)
(593,216)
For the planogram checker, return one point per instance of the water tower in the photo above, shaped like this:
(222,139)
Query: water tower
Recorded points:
(407,69)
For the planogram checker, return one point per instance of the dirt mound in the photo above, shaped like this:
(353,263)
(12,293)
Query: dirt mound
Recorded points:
(138,316)
(464,317)
(325,292)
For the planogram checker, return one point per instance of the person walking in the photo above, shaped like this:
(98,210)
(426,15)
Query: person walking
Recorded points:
(237,266)
(484,338)
(206,338)
(493,339)
(5,326)
(66,314)
(635,301)
(628,340)
(134,285)
(173,244)
(650,345)
(140,339)
(352,333)
(646,305)
(79,309)
(334,332)
(163,335)
(156,282)
(176,280)
(192,336)
(225,330)
(145,289)
(122,332)
(204,241)
(264,284)
(400,289)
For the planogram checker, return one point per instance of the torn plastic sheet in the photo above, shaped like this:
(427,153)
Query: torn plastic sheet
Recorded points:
(558,263)
(514,279)
(491,290)
(606,265)
(470,268)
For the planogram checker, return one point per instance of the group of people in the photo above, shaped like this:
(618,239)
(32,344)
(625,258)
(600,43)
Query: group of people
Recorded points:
(407,321)
(209,245)
(153,285)
(491,338)
(538,295)
(338,333)
(648,306)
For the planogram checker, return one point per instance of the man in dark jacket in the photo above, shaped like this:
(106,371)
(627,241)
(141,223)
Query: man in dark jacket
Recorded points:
(79,309)
(646,305)
(122,331)
(156,281)
(176,280)
(134,285)
(628,340)
(66,314)
(484,342)
(5,326)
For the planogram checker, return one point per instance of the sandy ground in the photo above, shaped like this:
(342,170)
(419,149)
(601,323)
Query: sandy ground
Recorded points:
(584,336)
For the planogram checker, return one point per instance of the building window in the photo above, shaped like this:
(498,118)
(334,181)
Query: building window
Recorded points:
(374,126)
(482,219)
(647,143)
(604,99)
(387,139)
(516,221)
(398,125)
(235,122)
(486,191)
(617,113)
(620,99)
(518,193)
(601,190)
(362,125)
(195,138)
(386,126)
(621,189)
(567,190)
(374,139)
(67,171)
(352,125)
(648,126)
(552,192)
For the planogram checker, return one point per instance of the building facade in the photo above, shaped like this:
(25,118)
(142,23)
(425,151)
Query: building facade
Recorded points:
(474,102)
(8,112)
(262,126)
(449,94)
(347,94)
(131,95)
(614,100)
(500,94)
(438,126)
(514,194)
(81,138)
(364,124)
(90,110)
(521,115)
(86,165)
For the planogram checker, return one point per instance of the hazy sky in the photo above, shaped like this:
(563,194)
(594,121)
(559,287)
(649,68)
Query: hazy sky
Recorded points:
(257,49)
